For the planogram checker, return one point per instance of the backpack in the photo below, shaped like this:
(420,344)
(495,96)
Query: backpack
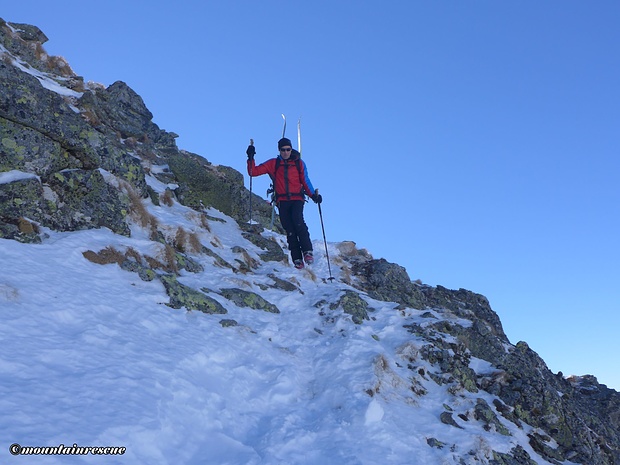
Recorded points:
(272,189)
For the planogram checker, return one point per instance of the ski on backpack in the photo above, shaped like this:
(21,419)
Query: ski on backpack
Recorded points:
(271,192)
(299,136)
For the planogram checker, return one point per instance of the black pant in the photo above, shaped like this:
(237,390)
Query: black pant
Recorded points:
(292,219)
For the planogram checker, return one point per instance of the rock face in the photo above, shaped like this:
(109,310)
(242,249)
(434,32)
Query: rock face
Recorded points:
(76,156)
(71,135)
(581,415)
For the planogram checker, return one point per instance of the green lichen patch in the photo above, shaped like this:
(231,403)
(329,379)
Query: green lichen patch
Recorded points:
(185,296)
(243,298)
(353,304)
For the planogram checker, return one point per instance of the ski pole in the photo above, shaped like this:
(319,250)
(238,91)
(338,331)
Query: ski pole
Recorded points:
(251,173)
(331,278)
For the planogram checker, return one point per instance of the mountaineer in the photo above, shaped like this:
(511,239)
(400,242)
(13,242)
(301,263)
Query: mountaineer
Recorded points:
(291,183)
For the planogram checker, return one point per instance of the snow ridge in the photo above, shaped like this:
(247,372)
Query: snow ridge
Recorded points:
(93,355)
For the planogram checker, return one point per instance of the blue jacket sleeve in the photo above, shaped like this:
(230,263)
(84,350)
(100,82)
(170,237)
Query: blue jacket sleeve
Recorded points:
(307,180)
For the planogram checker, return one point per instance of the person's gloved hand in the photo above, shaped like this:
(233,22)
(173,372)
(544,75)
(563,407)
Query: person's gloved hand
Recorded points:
(316,197)
(251,151)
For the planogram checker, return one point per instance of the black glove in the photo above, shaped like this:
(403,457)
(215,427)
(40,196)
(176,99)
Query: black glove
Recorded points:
(317,198)
(251,151)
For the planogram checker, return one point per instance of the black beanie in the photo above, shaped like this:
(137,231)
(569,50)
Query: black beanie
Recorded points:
(284,142)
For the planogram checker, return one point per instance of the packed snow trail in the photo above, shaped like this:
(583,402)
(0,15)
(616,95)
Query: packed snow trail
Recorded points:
(91,355)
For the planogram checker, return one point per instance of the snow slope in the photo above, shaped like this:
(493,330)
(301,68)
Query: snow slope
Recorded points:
(91,355)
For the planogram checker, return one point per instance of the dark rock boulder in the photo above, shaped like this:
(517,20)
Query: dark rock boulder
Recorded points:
(86,201)
(202,184)
(273,251)
(21,230)
(29,33)
(465,304)
(25,41)
(24,198)
(517,456)
(24,101)
(121,110)
(185,296)
(353,304)
(249,299)
(388,282)
(26,149)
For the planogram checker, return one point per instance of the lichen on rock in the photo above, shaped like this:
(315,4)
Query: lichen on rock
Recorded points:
(185,296)
(249,299)
(353,304)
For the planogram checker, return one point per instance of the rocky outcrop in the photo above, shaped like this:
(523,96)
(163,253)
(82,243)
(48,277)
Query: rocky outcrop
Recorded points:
(585,428)
(185,296)
(252,300)
(353,304)
(387,281)
(68,133)
(583,417)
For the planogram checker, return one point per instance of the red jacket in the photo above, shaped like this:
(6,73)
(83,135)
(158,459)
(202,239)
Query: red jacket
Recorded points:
(290,179)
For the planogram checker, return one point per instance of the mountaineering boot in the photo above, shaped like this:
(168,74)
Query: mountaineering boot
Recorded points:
(308,257)
(298,264)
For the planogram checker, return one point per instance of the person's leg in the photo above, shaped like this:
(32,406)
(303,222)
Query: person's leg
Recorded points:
(286,210)
(300,227)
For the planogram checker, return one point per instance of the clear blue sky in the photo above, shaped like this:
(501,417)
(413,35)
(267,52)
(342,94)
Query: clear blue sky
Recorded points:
(473,142)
